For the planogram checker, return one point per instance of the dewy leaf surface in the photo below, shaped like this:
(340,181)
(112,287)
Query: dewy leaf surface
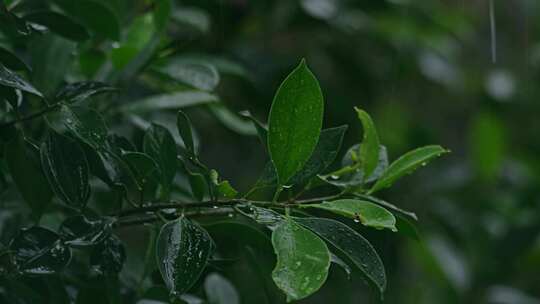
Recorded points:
(159,144)
(303,260)
(351,244)
(11,79)
(369,214)
(406,164)
(369,150)
(182,251)
(79,91)
(295,122)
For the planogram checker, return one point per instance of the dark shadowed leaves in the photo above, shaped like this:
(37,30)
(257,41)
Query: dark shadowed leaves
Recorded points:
(351,245)
(159,144)
(95,16)
(219,290)
(108,257)
(182,251)
(303,260)
(39,251)
(59,24)
(66,169)
(12,61)
(79,231)
(80,91)
(185,130)
(86,124)
(295,122)
(10,79)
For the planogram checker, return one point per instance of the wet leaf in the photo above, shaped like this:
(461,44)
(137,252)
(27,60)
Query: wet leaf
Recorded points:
(185,130)
(159,144)
(223,188)
(79,231)
(66,169)
(143,168)
(79,91)
(198,75)
(59,24)
(182,250)
(295,122)
(38,250)
(108,257)
(10,79)
(303,260)
(219,290)
(170,101)
(369,150)
(387,205)
(351,245)
(86,124)
(367,213)
(406,164)
(22,159)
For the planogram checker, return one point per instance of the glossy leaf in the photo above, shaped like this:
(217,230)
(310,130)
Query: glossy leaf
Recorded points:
(79,231)
(406,164)
(387,205)
(108,257)
(303,260)
(177,100)
(182,250)
(369,150)
(185,130)
(223,188)
(66,169)
(263,216)
(79,91)
(10,79)
(219,290)
(159,144)
(295,122)
(12,61)
(143,168)
(97,17)
(86,124)
(351,245)
(323,156)
(364,212)
(22,159)
(38,250)
(59,24)
(201,76)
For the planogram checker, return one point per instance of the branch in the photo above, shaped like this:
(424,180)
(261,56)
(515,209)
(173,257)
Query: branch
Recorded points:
(31,116)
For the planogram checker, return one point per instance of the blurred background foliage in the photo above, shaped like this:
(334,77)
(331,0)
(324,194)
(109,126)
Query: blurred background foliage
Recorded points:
(445,72)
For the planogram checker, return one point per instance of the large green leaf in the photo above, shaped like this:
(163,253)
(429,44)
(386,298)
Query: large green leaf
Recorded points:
(159,144)
(66,169)
(406,164)
(22,159)
(185,130)
(324,154)
(59,24)
(177,100)
(10,79)
(86,124)
(295,122)
(369,151)
(182,250)
(79,91)
(143,168)
(198,75)
(352,245)
(364,212)
(97,17)
(303,260)
(39,251)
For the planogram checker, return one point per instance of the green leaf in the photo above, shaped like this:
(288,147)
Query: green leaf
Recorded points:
(97,17)
(367,213)
(407,227)
(295,122)
(352,245)
(79,231)
(86,124)
(406,164)
(79,91)
(303,260)
(12,61)
(200,76)
(162,13)
(39,251)
(185,130)
(10,79)
(324,154)
(232,120)
(369,151)
(177,100)
(59,24)
(387,205)
(66,169)
(159,144)
(108,257)
(192,17)
(219,290)
(182,250)
(223,188)
(22,159)
(143,168)
(262,130)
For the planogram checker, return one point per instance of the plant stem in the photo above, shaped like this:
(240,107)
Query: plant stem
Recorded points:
(31,116)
